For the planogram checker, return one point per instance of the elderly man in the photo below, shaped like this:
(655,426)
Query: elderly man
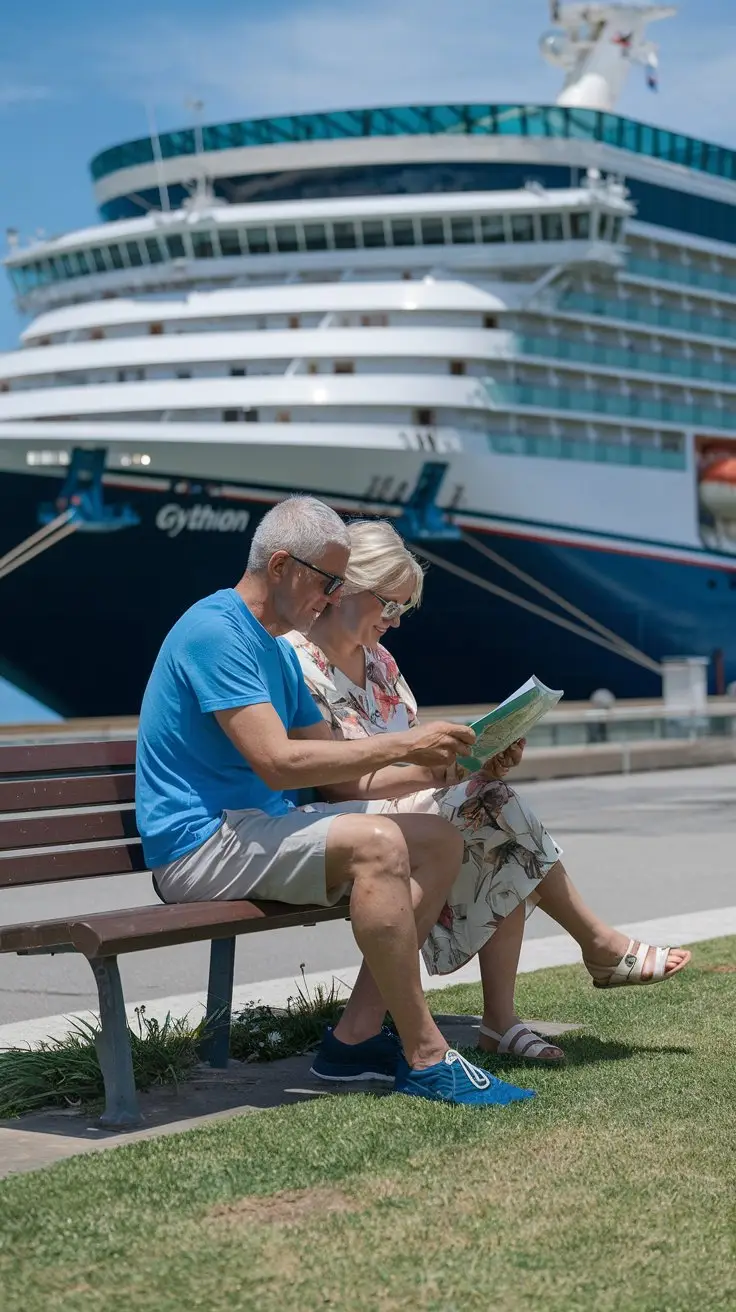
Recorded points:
(227,726)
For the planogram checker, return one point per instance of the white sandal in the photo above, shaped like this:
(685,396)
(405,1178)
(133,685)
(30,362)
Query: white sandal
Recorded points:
(630,968)
(520,1041)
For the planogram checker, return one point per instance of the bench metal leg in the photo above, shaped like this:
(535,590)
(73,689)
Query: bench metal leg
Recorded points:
(215,1046)
(113,1048)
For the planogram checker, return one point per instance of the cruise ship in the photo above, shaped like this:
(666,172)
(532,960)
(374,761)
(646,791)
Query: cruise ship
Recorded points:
(511,328)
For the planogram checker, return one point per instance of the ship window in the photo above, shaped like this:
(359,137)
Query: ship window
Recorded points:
(343,367)
(344,236)
(606,227)
(153,250)
(98,257)
(552,228)
(315,236)
(424,418)
(286,238)
(155,329)
(70,268)
(4,385)
(251,416)
(374,233)
(402,232)
(47,457)
(294,321)
(490,321)
(231,416)
(580,226)
(134,254)
(457,368)
(116,257)
(183,373)
(258,243)
(492,227)
(230,241)
(522,227)
(238,372)
(463,230)
(202,245)
(433,232)
(175,246)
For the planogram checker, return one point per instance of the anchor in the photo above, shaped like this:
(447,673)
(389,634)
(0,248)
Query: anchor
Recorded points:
(80,507)
(83,495)
(422,518)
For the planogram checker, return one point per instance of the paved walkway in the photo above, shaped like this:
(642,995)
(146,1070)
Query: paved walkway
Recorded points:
(639,847)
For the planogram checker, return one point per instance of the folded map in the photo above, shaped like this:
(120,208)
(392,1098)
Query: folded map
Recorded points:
(510,721)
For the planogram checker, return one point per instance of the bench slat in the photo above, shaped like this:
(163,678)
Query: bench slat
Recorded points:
(78,790)
(67,827)
(112,933)
(43,758)
(85,863)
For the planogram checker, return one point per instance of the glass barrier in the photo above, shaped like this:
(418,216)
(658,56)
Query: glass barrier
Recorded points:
(432,120)
(598,452)
(680,273)
(597,401)
(660,316)
(613,357)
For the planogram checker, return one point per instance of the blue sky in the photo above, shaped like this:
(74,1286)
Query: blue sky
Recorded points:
(76,77)
(79,78)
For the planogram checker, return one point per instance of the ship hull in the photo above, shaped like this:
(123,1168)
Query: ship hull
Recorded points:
(83,621)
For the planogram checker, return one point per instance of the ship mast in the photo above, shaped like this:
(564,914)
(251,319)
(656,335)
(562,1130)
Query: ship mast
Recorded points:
(596,44)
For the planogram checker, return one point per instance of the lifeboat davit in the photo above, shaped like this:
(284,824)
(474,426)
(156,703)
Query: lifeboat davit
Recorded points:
(718,488)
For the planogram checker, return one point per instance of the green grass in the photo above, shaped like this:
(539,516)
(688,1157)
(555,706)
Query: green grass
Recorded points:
(66,1071)
(615,1190)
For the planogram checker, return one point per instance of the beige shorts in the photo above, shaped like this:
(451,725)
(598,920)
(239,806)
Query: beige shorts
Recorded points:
(255,855)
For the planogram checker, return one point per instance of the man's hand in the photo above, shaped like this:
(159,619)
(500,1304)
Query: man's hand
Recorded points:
(438,744)
(497,767)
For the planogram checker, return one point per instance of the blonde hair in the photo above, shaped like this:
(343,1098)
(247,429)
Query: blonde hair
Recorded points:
(380,561)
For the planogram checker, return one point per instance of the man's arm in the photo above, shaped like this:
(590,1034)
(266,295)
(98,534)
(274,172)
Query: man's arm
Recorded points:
(309,762)
(393,781)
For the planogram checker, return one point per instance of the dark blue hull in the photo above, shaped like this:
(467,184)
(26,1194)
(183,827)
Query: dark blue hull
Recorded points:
(81,624)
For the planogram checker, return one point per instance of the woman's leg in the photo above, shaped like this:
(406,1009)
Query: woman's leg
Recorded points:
(499,961)
(600,944)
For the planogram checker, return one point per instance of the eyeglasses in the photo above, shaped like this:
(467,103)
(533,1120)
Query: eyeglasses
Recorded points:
(335,581)
(392,610)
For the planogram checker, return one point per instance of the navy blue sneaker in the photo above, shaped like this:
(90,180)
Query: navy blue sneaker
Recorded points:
(375,1059)
(456,1080)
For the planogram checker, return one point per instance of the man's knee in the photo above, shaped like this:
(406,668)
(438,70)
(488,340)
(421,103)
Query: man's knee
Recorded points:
(366,845)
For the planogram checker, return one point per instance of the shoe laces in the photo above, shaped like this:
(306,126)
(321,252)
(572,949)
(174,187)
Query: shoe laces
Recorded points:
(477,1077)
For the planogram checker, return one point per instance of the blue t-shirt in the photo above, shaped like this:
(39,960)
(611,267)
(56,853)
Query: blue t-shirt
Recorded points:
(188,772)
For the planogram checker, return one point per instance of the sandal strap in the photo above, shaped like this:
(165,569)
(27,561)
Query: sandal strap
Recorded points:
(630,968)
(519,1040)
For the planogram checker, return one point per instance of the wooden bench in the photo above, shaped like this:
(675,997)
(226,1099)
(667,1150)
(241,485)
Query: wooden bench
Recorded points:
(66,813)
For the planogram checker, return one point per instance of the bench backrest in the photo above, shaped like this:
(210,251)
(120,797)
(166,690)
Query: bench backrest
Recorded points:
(66,812)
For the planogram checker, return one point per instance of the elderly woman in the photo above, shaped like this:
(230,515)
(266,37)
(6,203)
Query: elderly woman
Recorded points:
(511,863)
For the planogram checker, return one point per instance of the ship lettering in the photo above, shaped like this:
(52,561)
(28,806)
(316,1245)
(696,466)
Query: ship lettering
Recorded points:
(173,519)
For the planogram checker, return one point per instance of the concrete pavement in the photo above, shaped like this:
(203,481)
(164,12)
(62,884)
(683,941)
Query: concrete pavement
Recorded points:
(639,847)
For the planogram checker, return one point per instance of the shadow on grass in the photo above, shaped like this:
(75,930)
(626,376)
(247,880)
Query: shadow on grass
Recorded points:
(582,1050)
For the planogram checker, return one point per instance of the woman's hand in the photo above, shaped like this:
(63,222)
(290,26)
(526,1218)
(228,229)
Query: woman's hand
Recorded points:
(497,767)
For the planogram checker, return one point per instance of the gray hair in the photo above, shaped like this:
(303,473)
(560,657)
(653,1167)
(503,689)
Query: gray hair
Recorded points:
(302,526)
(380,560)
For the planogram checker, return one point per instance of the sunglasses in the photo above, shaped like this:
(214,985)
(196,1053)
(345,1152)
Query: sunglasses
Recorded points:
(335,581)
(392,610)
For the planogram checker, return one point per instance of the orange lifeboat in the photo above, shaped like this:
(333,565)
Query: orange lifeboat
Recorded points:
(718,488)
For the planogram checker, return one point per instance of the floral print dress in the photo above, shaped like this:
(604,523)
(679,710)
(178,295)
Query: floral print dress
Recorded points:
(507,849)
